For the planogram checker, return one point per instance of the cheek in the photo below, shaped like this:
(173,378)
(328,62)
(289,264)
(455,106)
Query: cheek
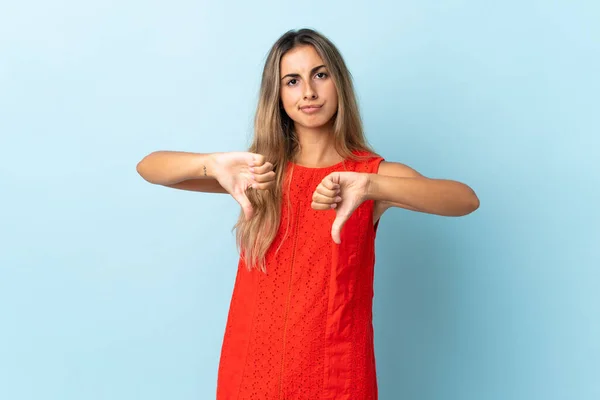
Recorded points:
(332,95)
(331,91)
(288,100)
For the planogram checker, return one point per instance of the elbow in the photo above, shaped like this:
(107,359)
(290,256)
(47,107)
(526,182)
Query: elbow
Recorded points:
(142,169)
(469,202)
(472,204)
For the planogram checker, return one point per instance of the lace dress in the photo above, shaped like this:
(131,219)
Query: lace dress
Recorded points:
(304,329)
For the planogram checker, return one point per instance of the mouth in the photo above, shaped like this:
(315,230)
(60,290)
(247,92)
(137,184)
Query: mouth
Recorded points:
(311,109)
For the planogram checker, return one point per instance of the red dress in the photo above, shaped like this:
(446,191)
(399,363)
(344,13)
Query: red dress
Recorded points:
(304,329)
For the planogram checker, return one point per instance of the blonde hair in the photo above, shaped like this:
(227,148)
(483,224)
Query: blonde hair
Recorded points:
(274,138)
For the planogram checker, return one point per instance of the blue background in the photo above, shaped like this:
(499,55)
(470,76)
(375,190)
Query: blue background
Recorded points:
(112,288)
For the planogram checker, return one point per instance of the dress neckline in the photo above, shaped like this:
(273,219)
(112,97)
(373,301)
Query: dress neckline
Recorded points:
(302,167)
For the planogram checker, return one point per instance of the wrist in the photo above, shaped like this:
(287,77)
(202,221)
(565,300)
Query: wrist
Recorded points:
(206,167)
(370,187)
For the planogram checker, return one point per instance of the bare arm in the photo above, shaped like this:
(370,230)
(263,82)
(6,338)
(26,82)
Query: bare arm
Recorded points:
(397,185)
(223,172)
(181,170)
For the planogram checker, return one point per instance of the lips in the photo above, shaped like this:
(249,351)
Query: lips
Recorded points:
(311,108)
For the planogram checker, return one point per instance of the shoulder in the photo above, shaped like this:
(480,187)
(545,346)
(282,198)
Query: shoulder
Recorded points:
(363,161)
(366,156)
(377,164)
(397,169)
(365,153)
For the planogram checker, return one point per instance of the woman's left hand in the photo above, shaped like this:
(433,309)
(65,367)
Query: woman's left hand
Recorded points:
(344,192)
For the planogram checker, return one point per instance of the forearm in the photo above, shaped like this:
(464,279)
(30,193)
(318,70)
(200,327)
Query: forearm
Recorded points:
(171,167)
(434,196)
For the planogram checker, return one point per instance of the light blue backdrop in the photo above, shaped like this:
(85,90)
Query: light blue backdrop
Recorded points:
(112,288)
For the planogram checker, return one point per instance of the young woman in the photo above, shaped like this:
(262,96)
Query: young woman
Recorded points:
(311,192)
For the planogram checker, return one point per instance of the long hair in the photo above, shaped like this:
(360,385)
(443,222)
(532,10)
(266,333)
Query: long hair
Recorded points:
(275,138)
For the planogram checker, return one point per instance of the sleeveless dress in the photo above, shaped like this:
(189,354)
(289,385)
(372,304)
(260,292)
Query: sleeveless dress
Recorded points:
(304,329)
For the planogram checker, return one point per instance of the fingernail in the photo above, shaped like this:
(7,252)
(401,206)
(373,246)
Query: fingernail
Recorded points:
(251,169)
(334,205)
(338,199)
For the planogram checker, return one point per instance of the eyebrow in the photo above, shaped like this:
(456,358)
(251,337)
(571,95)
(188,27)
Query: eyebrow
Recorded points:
(312,71)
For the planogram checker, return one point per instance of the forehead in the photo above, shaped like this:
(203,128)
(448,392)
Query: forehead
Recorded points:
(300,59)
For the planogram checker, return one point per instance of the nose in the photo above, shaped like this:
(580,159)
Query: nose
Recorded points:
(309,92)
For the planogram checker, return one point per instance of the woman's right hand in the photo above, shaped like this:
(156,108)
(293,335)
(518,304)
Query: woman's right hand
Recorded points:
(238,171)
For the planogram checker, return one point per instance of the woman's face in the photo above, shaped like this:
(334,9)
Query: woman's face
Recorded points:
(305,82)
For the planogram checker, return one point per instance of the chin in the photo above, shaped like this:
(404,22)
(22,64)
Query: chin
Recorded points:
(313,123)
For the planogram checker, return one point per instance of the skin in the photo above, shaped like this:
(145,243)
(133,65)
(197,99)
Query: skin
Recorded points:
(305,81)
(302,83)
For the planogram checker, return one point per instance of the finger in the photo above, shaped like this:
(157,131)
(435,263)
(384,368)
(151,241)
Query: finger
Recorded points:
(245,204)
(257,160)
(331,181)
(263,186)
(262,169)
(319,198)
(262,178)
(321,206)
(321,189)
(336,228)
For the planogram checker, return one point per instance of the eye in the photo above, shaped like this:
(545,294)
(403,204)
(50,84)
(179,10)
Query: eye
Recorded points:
(324,75)
(291,82)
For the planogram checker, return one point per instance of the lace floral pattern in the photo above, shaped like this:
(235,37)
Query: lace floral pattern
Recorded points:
(304,329)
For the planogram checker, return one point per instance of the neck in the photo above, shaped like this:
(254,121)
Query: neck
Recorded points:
(316,147)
